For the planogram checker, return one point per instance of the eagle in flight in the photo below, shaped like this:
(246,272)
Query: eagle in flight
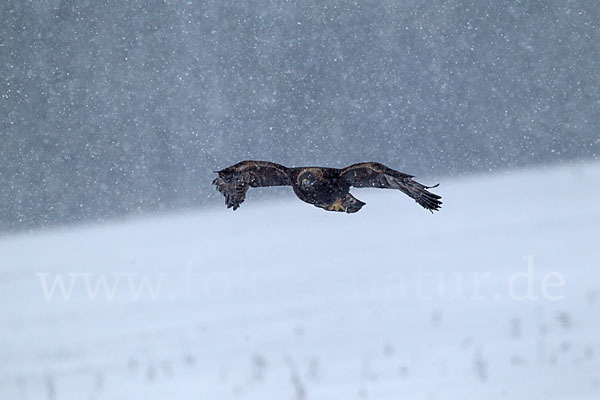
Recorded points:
(326,188)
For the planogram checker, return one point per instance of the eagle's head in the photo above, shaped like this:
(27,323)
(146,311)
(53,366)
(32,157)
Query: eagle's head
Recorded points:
(309,177)
(307,181)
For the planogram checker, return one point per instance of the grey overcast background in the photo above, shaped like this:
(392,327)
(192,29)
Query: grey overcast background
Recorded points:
(116,107)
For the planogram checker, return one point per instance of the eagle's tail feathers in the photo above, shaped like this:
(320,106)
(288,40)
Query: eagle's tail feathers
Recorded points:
(352,204)
(347,203)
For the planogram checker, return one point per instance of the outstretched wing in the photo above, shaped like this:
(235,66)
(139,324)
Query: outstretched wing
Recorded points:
(233,182)
(375,175)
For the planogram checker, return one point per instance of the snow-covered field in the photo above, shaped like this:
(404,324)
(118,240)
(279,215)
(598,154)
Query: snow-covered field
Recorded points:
(496,296)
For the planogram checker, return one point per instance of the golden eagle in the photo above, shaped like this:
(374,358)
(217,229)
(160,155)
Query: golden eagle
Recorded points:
(327,188)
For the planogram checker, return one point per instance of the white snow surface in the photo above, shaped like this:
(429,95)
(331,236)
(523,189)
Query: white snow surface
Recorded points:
(288,301)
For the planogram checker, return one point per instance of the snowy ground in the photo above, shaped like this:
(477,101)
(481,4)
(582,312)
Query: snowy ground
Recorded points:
(281,300)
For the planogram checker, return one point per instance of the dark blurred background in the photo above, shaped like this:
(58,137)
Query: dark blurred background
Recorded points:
(116,107)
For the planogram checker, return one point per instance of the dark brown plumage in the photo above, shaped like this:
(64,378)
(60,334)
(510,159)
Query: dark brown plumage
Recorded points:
(327,188)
